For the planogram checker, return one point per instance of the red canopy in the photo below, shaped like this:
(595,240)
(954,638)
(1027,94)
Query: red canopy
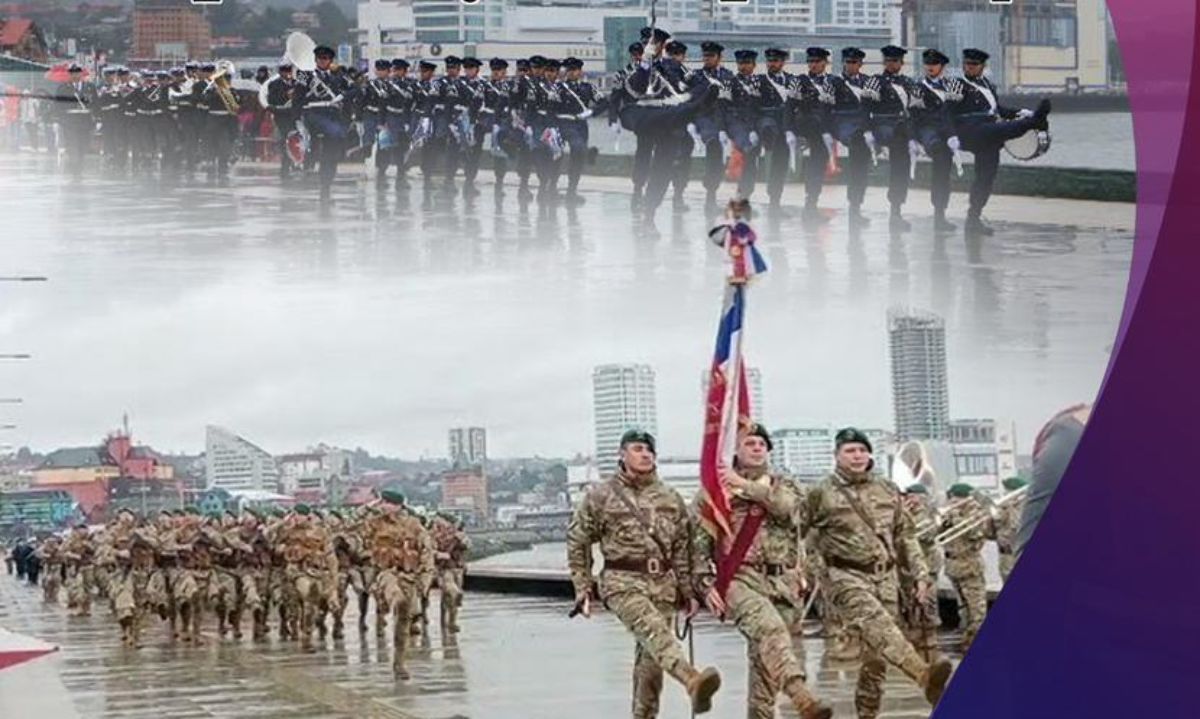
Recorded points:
(59,73)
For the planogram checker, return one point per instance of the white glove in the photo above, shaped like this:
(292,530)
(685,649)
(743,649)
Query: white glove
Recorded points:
(1023,113)
(585,114)
(753,139)
(915,148)
(495,132)
(790,138)
(615,127)
(954,144)
(871,94)
(828,98)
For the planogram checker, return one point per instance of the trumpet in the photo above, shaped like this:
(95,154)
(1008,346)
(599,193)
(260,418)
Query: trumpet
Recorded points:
(222,85)
(979,518)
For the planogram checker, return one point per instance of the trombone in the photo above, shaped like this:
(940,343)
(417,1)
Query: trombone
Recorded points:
(978,518)
(222,84)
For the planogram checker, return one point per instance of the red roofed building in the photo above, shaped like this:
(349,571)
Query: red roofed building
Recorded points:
(20,37)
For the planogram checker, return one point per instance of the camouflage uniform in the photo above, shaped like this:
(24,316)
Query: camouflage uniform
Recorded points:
(362,571)
(402,554)
(640,585)
(921,621)
(77,552)
(251,562)
(347,547)
(131,592)
(863,581)
(311,573)
(49,554)
(1006,535)
(196,545)
(964,566)
(764,596)
(449,549)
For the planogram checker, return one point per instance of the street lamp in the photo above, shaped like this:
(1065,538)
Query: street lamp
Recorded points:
(23,278)
(16,356)
(11,400)
(8,426)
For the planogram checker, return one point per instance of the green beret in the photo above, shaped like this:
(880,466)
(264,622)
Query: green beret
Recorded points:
(391,496)
(334,513)
(302,509)
(278,512)
(850,435)
(960,490)
(231,513)
(638,435)
(1012,484)
(916,489)
(757,430)
(192,510)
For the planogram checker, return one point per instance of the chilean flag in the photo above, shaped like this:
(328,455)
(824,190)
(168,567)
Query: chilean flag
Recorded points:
(727,407)
(18,648)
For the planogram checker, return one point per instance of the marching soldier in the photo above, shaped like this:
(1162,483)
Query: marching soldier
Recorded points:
(108,110)
(863,533)
(765,590)
(282,102)
(311,572)
(78,552)
(852,127)
(496,117)
(133,550)
(890,117)
(618,100)
(543,122)
(472,149)
(775,126)
(710,122)
(452,121)
(1007,525)
(579,103)
(324,92)
(964,558)
(934,130)
(220,124)
(400,120)
(75,101)
(744,117)
(373,109)
(921,619)
(401,552)
(677,51)
(645,535)
(449,550)
(50,555)
(427,112)
(984,126)
(815,96)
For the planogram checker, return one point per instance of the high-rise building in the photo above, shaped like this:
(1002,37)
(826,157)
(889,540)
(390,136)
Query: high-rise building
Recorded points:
(753,380)
(233,463)
(449,21)
(920,389)
(169,30)
(622,399)
(468,446)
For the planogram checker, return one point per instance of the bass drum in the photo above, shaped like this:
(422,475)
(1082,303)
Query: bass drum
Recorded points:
(297,148)
(1032,144)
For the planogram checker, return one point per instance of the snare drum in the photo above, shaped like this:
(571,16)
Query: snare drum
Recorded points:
(1032,144)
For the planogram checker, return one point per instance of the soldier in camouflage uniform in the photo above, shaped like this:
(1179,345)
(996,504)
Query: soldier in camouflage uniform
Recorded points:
(311,573)
(645,536)
(964,558)
(50,555)
(362,572)
(449,550)
(251,562)
(196,544)
(425,580)
(77,552)
(767,589)
(863,533)
(402,552)
(1006,527)
(224,588)
(347,547)
(921,620)
(132,592)
(166,575)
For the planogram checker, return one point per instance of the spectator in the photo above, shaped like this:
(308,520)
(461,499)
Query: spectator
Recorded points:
(1052,451)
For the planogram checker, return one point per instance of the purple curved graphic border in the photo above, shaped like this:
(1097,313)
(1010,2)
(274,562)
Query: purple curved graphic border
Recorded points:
(1100,617)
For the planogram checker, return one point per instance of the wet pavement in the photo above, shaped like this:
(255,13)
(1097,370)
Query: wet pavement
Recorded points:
(383,320)
(516,658)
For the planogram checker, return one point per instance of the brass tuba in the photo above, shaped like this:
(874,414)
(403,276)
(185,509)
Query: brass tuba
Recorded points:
(222,82)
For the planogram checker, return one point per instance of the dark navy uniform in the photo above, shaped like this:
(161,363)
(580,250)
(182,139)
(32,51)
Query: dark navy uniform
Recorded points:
(891,121)
(778,109)
(425,112)
(710,122)
(324,97)
(399,112)
(984,126)
(545,102)
(815,96)
(220,129)
(685,144)
(618,100)
(743,119)
(452,130)
(372,106)
(112,129)
(475,87)
(853,93)
(495,117)
(933,129)
(75,101)
(579,102)
(282,93)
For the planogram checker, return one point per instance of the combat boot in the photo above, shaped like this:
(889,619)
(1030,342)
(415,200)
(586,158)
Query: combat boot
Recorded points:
(934,679)
(701,685)
(127,632)
(897,222)
(339,629)
(235,623)
(806,704)
(976,227)
(856,217)
(400,671)
(940,223)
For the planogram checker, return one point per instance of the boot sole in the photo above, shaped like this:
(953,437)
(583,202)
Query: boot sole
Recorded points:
(708,686)
(938,676)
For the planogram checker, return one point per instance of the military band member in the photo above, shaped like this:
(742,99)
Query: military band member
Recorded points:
(933,129)
(618,100)
(851,112)
(495,117)
(400,121)
(767,589)
(109,112)
(1007,525)
(921,619)
(815,97)
(863,535)
(964,558)
(220,124)
(984,126)
(426,113)
(892,128)
(372,107)
(677,51)
(711,121)
(452,121)
(472,151)
(75,104)
(545,100)
(283,103)
(644,532)
(324,92)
